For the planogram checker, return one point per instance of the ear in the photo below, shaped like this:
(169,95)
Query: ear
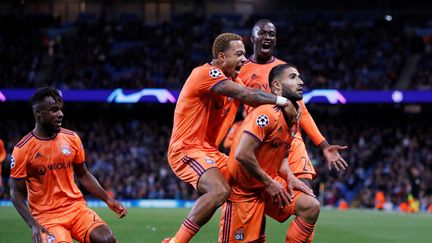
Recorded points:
(37,113)
(277,84)
(221,56)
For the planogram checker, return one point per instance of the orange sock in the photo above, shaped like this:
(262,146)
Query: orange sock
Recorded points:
(187,230)
(299,231)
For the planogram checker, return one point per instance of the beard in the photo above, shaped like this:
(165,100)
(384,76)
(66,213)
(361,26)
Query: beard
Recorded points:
(293,96)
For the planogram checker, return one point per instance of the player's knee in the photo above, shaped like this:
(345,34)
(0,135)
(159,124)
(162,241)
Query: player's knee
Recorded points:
(102,234)
(109,238)
(221,194)
(312,209)
(308,208)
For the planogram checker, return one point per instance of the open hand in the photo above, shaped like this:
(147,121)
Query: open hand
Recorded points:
(331,154)
(117,207)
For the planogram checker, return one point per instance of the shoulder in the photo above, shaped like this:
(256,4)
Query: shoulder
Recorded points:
(67,132)
(25,140)
(278,61)
(208,71)
(69,135)
(23,148)
(266,112)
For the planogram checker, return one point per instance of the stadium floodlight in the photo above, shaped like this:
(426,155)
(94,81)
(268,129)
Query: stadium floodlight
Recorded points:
(388,17)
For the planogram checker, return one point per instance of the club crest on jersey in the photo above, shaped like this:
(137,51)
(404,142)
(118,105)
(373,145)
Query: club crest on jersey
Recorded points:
(262,120)
(209,161)
(66,151)
(215,73)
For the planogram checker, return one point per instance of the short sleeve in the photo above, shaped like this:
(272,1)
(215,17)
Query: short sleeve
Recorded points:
(18,163)
(80,154)
(261,122)
(207,77)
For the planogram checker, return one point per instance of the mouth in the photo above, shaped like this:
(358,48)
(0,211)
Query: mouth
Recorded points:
(266,46)
(58,123)
(237,68)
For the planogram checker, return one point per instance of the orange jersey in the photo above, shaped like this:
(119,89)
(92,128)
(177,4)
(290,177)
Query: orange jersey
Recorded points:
(255,75)
(47,167)
(231,134)
(202,117)
(267,125)
(2,152)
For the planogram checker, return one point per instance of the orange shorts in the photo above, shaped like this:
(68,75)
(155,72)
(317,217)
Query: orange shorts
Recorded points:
(245,221)
(299,161)
(75,222)
(242,221)
(189,165)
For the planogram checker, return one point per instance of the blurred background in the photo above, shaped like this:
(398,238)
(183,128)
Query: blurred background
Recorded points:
(375,54)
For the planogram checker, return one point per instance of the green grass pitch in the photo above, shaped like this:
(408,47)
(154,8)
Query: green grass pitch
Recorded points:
(152,225)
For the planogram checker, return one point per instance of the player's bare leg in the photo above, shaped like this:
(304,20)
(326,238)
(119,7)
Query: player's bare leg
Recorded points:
(307,210)
(102,234)
(215,191)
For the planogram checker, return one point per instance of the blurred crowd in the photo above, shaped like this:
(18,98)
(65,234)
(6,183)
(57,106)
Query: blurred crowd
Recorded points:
(387,158)
(393,156)
(105,52)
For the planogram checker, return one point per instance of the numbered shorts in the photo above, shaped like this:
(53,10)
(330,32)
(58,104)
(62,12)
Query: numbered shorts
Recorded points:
(74,223)
(299,161)
(189,165)
(245,221)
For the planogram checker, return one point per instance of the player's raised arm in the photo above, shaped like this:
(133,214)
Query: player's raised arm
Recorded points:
(245,155)
(89,182)
(249,96)
(331,152)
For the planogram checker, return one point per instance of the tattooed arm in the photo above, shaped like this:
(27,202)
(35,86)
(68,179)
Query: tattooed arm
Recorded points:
(249,96)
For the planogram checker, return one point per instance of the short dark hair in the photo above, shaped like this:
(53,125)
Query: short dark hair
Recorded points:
(277,70)
(41,93)
(260,22)
(222,42)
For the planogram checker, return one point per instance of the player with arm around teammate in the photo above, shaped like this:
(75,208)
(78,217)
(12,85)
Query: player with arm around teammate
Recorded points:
(204,112)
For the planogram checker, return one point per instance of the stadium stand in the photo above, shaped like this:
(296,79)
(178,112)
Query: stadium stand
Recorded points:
(127,53)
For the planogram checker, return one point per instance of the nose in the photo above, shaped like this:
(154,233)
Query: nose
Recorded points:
(60,113)
(301,83)
(243,59)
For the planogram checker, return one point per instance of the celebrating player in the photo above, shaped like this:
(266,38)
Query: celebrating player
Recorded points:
(255,74)
(204,112)
(43,164)
(257,161)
